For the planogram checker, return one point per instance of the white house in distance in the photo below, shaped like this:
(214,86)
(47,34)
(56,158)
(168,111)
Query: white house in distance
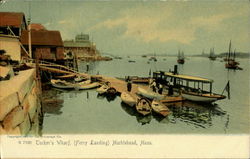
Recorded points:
(11,26)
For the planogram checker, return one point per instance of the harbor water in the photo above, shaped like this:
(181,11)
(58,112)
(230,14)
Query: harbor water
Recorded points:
(84,112)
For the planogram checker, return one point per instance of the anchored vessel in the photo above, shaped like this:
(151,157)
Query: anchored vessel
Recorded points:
(230,59)
(212,56)
(181,59)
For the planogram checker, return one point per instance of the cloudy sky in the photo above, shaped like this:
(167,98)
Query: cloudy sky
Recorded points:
(142,27)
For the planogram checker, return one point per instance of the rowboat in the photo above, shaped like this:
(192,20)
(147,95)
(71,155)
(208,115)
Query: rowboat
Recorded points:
(160,108)
(61,84)
(103,89)
(149,94)
(84,82)
(87,86)
(79,78)
(128,99)
(143,106)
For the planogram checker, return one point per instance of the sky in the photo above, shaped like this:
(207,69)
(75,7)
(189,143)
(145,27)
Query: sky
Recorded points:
(139,27)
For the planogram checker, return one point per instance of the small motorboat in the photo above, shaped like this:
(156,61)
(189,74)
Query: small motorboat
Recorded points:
(149,94)
(143,106)
(186,87)
(160,108)
(128,99)
(62,84)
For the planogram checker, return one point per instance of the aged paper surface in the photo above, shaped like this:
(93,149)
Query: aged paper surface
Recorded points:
(145,23)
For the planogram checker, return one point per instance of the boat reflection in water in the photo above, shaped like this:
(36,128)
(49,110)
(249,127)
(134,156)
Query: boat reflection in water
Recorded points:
(144,119)
(132,111)
(161,119)
(199,115)
(107,96)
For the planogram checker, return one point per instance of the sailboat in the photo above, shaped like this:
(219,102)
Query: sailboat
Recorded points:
(180,59)
(230,59)
(153,58)
(212,55)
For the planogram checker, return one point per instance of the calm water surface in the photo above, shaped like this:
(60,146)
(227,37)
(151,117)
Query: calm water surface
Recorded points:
(86,112)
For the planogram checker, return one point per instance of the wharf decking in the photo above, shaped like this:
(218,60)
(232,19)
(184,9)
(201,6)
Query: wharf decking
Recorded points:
(121,86)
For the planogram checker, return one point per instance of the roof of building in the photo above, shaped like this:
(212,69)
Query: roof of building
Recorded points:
(37,26)
(187,77)
(42,37)
(13,19)
(77,44)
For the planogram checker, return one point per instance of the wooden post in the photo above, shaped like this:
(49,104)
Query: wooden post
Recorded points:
(211,85)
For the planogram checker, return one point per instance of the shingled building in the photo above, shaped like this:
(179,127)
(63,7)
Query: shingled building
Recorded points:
(46,44)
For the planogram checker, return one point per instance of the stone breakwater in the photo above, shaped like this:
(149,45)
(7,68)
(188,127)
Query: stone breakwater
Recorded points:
(20,105)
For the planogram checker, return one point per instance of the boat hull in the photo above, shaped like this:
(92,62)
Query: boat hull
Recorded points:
(202,98)
(128,99)
(160,108)
(103,89)
(149,94)
(63,85)
(88,86)
(181,61)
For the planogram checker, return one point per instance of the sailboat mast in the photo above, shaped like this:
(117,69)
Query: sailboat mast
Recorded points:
(234,53)
(229,51)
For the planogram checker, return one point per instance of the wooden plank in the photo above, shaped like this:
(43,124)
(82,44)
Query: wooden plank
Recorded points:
(169,99)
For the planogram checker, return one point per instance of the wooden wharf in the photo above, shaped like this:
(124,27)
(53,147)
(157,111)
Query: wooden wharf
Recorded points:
(121,86)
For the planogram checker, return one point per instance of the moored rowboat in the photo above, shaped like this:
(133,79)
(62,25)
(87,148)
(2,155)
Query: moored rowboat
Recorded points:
(103,89)
(61,84)
(143,106)
(87,86)
(160,108)
(149,94)
(128,99)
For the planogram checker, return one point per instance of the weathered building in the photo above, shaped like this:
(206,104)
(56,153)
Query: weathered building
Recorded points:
(82,46)
(11,27)
(46,44)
